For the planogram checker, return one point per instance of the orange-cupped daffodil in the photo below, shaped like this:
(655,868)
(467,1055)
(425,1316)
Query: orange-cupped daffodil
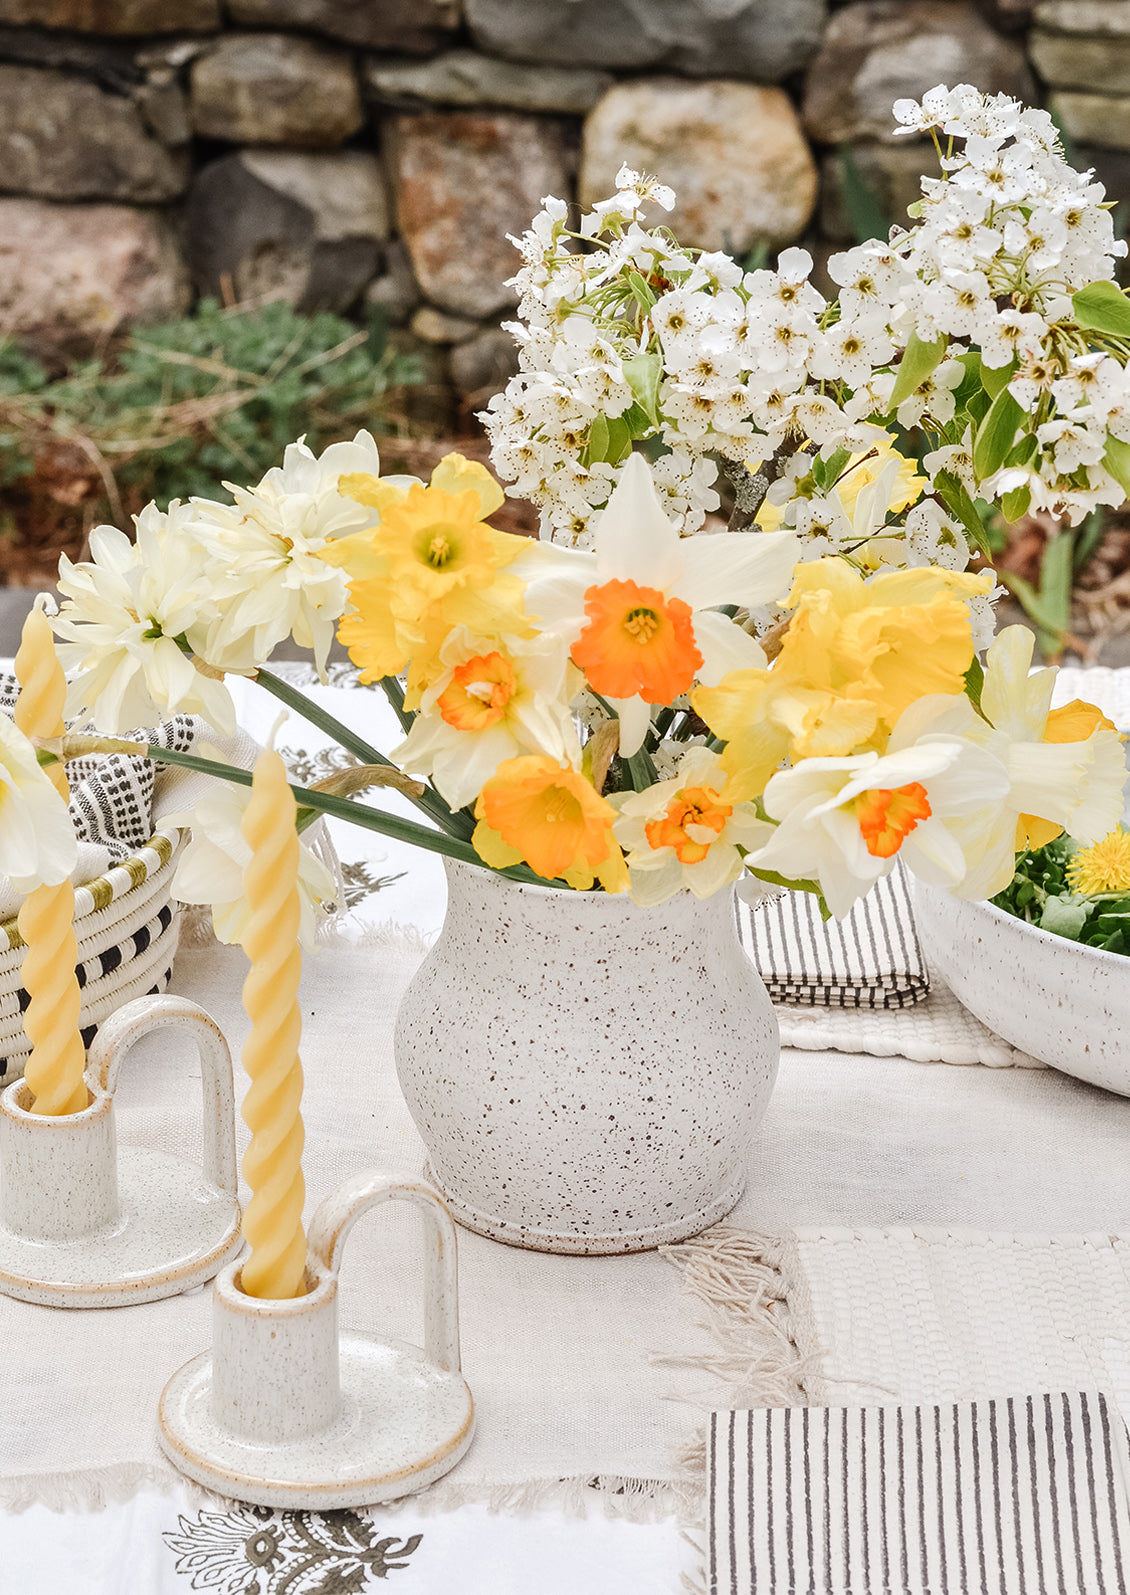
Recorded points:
(494,700)
(546,814)
(640,612)
(686,832)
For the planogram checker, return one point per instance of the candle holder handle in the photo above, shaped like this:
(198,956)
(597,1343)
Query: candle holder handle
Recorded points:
(118,1034)
(336,1216)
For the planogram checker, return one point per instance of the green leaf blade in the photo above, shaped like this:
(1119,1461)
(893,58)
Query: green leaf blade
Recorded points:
(919,360)
(1103,307)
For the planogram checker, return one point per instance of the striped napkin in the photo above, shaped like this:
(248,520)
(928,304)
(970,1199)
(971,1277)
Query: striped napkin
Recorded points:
(871,959)
(1013,1496)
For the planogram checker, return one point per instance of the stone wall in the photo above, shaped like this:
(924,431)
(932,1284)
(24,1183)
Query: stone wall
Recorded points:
(352,151)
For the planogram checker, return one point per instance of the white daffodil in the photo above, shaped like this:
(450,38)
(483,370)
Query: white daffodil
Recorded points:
(496,699)
(123,612)
(640,613)
(1066,767)
(37,838)
(844,821)
(211,868)
(683,832)
(268,542)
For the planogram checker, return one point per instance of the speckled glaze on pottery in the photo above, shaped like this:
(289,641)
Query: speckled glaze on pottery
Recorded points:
(1063,1003)
(84,1223)
(286,1412)
(587,1075)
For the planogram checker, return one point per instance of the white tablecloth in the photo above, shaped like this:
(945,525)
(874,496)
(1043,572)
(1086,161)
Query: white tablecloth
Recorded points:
(860,1143)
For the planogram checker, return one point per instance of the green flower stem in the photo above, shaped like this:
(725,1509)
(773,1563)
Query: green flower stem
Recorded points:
(357,814)
(430,803)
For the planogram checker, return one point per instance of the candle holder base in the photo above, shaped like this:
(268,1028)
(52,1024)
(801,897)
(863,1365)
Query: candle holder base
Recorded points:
(174,1231)
(404,1423)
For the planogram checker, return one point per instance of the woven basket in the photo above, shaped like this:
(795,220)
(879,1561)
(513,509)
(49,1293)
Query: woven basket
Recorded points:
(127,932)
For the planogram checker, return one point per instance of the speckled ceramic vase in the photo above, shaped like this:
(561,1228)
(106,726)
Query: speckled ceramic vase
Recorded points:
(587,1075)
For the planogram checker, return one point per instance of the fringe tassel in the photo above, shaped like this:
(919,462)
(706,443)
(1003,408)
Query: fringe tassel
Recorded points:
(634,1500)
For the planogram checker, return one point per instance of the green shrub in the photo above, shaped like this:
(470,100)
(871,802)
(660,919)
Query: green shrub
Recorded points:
(182,407)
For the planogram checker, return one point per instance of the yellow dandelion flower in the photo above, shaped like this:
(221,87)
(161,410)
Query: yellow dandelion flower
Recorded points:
(1102,867)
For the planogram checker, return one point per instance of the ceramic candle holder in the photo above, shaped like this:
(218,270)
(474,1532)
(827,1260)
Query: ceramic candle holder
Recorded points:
(85,1223)
(284,1411)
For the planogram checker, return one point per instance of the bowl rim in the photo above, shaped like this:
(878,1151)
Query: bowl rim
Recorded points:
(1100,954)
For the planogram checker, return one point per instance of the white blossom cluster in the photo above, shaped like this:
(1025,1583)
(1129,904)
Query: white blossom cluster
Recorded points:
(620,324)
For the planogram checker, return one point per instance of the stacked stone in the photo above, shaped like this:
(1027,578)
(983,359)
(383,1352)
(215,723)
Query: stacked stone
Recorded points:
(338,152)
(1081,49)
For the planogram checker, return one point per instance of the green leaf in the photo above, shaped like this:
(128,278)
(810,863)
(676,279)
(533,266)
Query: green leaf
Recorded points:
(1056,576)
(1103,307)
(1117,461)
(955,496)
(994,378)
(1064,916)
(641,771)
(640,290)
(974,683)
(826,473)
(643,373)
(773,879)
(1015,504)
(597,446)
(996,435)
(918,361)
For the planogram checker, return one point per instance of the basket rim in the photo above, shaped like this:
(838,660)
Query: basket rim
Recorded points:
(114,885)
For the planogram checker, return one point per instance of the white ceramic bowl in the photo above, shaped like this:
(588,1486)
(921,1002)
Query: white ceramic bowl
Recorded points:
(1062,1002)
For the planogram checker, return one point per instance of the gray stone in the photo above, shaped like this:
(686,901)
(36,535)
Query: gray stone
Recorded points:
(1111,168)
(433,326)
(164,109)
(883,50)
(760,39)
(111,63)
(412,26)
(462,77)
(272,88)
(395,293)
(1067,62)
(1092,18)
(734,154)
(71,274)
(1102,119)
(463,181)
(115,16)
(309,227)
(63,138)
(1007,16)
(891,172)
(483,365)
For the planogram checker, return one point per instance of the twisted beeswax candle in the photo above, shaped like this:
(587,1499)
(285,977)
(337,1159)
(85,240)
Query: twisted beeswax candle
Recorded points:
(47,916)
(272,1165)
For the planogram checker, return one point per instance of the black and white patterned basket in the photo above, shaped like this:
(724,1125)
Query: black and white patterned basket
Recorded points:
(127,930)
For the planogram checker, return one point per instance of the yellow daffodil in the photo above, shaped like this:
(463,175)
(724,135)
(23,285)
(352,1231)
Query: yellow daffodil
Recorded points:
(1102,867)
(544,813)
(686,832)
(434,565)
(873,485)
(856,654)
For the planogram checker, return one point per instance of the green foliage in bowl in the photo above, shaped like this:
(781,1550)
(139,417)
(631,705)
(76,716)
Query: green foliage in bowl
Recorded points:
(1050,889)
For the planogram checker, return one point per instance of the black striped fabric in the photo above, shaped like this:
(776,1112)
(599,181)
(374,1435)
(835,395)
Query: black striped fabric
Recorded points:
(1023,1495)
(871,959)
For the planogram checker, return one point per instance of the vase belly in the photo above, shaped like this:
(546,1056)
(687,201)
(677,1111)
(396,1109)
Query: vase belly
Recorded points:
(587,1075)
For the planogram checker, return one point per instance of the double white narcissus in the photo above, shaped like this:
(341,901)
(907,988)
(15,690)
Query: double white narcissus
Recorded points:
(640,613)
(495,700)
(122,613)
(37,839)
